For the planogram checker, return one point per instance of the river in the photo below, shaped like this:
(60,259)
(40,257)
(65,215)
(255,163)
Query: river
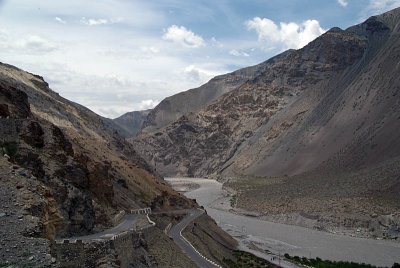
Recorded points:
(260,235)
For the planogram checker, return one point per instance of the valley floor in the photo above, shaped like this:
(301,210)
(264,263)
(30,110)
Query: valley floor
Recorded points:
(264,236)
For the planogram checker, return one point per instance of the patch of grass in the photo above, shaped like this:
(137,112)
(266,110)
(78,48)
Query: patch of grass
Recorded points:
(245,259)
(10,148)
(319,263)
(233,200)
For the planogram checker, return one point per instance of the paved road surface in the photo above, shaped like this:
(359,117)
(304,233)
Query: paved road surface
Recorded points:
(175,234)
(127,223)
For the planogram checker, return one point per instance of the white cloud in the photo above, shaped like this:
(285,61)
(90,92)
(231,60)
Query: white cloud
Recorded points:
(114,95)
(116,108)
(60,20)
(286,35)
(36,44)
(375,7)
(383,5)
(112,69)
(343,3)
(183,36)
(148,104)
(3,39)
(31,44)
(237,53)
(198,75)
(139,53)
(150,50)
(96,22)
(216,43)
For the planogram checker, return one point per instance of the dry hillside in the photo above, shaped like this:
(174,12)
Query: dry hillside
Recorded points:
(66,172)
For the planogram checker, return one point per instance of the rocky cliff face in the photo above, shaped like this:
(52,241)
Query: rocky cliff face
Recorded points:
(85,170)
(319,123)
(131,122)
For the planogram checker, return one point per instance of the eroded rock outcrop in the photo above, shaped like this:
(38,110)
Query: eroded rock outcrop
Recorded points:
(74,155)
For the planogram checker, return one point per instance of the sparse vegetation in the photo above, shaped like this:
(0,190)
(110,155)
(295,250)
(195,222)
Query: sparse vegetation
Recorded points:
(9,148)
(233,200)
(319,263)
(245,259)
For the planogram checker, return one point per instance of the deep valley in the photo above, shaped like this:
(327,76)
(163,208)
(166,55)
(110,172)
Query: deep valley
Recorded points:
(291,162)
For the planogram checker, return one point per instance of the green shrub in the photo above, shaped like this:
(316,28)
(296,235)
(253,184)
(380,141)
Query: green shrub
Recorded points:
(245,259)
(287,256)
(233,200)
(319,263)
(9,148)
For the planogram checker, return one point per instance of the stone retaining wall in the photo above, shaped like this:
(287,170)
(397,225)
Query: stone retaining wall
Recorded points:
(124,250)
(79,254)
(141,211)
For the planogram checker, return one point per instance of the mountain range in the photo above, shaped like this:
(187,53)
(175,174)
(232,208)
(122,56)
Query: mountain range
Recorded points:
(309,132)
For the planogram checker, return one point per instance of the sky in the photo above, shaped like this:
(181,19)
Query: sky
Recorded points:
(116,56)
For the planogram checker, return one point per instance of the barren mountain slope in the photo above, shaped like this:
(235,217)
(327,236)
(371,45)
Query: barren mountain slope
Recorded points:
(216,133)
(335,152)
(319,127)
(131,122)
(351,120)
(172,108)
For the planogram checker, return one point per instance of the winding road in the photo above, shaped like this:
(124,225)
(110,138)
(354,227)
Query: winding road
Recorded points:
(128,222)
(176,234)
